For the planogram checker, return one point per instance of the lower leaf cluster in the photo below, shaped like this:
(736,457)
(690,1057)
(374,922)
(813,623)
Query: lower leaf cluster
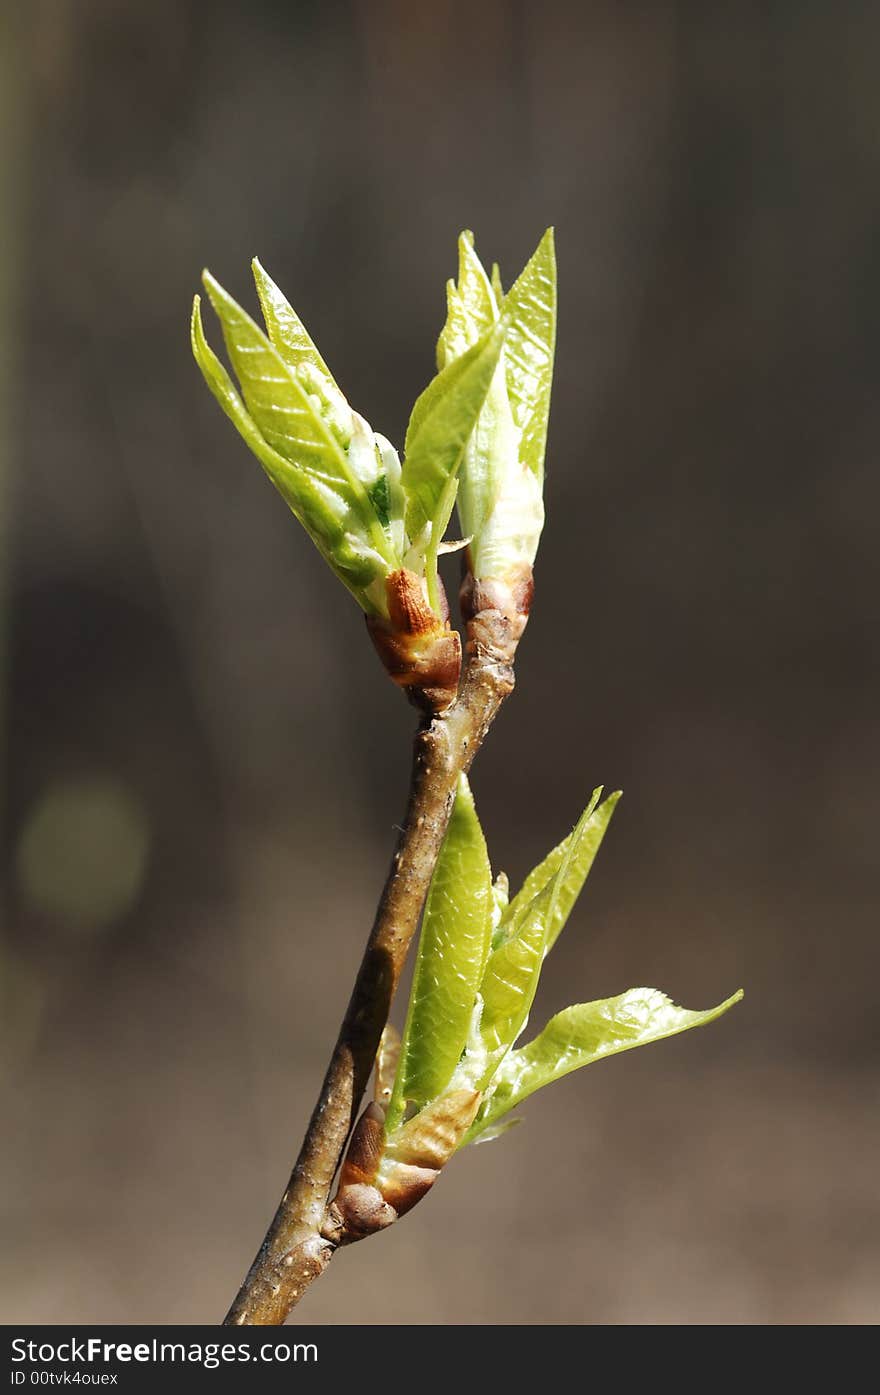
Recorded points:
(457,1075)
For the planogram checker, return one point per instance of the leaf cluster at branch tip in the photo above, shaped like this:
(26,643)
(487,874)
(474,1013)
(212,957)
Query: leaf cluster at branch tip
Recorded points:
(477,428)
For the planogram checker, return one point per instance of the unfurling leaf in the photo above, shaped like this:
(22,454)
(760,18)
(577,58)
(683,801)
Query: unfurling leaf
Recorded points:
(478,427)
(472,993)
(511,978)
(453,946)
(322,457)
(471,305)
(472,310)
(287,331)
(318,511)
(286,412)
(441,423)
(585,1033)
(521,943)
(500,497)
(529,351)
(579,849)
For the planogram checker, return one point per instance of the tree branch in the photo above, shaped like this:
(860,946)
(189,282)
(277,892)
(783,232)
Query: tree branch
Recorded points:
(293,1253)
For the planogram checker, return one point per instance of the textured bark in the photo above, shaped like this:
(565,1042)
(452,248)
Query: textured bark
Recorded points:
(293,1253)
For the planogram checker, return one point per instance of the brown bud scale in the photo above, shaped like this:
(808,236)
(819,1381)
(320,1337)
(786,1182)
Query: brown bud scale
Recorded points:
(430,1139)
(365,1149)
(511,597)
(420,652)
(357,1210)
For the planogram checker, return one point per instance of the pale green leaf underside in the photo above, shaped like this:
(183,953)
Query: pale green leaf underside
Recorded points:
(452,952)
(531,306)
(489,453)
(441,422)
(499,497)
(472,309)
(585,1033)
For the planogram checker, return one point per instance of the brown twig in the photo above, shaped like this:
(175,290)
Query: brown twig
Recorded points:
(294,1253)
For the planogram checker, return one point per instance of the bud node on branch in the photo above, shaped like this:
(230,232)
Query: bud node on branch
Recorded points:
(420,652)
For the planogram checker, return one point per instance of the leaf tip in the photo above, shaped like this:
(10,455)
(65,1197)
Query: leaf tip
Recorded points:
(211,285)
(547,244)
(196,333)
(262,279)
(216,294)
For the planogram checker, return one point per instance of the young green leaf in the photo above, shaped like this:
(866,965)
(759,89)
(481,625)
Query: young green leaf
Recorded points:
(285,328)
(501,499)
(221,385)
(474,285)
(514,966)
(288,335)
(531,305)
(292,423)
(356,567)
(441,422)
(511,979)
(457,332)
(582,1034)
(452,953)
(491,451)
(580,848)
(489,460)
(472,308)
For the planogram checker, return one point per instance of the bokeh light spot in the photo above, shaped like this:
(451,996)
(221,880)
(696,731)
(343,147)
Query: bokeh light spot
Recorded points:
(83,853)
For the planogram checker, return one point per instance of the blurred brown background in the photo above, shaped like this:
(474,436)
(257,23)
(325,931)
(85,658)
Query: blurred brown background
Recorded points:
(203,761)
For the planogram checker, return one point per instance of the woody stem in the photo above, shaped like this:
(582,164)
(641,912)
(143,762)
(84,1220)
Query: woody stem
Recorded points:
(293,1252)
